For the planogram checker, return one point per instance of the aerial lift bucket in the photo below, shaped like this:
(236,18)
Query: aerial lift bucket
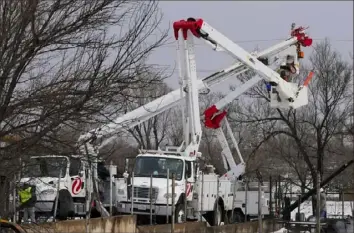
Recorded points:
(276,101)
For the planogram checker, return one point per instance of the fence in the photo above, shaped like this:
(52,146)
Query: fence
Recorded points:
(339,204)
(128,224)
(238,202)
(241,201)
(246,197)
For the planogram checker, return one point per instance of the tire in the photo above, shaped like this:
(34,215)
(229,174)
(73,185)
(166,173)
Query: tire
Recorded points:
(217,215)
(237,217)
(179,213)
(65,205)
(114,211)
(95,213)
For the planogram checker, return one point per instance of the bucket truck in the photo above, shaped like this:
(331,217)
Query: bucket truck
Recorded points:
(77,175)
(206,195)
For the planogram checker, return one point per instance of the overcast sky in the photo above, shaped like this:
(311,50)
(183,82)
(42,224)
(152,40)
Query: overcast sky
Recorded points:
(252,24)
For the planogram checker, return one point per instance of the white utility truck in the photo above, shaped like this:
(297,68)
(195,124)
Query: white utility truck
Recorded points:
(70,186)
(203,195)
(71,180)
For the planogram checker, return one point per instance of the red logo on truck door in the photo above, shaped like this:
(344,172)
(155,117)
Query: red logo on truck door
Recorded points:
(76,186)
(189,189)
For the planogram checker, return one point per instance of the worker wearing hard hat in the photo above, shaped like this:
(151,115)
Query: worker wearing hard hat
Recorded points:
(323,209)
(288,68)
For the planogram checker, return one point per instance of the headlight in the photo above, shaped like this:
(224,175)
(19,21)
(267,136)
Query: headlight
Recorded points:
(169,195)
(48,192)
(121,191)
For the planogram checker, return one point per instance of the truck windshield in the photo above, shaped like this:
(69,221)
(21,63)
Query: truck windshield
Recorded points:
(145,166)
(45,167)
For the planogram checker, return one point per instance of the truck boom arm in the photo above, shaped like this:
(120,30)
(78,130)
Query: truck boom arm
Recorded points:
(174,98)
(188,75)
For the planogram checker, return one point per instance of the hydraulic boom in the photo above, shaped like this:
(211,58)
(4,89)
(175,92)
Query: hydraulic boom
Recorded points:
(174,98)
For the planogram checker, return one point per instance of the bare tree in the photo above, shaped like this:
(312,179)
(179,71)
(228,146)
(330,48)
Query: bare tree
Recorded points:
(175,134)
(64,62)
(285,158)
(150,134)
(314,126)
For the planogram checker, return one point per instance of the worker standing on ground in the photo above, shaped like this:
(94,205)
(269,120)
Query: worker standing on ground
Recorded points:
(323,209)
(28,199)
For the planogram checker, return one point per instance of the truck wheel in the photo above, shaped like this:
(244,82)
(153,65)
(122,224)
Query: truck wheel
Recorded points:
(114,211)
(237,217)
(214,217)
(65,205)
(179,213)
(95,213)
(217,215)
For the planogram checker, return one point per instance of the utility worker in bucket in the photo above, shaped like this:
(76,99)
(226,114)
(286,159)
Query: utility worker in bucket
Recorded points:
(288,68)
(28,199)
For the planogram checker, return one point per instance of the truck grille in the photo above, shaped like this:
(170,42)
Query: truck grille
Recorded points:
(143,192)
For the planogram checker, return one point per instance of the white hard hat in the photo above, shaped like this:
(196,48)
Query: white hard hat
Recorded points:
(321,190)
(289,59)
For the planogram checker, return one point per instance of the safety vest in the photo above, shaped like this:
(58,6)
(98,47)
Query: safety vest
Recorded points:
(25,195)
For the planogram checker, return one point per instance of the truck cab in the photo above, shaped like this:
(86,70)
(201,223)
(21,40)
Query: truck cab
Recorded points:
(45,172)
(155,171)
